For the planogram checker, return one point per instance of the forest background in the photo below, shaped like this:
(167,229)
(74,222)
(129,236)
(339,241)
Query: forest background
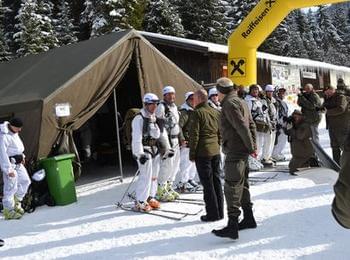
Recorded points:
(34,26)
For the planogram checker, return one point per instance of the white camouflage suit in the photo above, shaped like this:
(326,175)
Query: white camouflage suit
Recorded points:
(10,145)
(146,185)
(170,166)
(282,112)
(263,139)
(187,169)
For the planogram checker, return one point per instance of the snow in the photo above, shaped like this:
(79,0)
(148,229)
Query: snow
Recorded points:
(293,216)
(223,49)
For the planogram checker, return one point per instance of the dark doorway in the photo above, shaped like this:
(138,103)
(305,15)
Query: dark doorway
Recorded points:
(97,140)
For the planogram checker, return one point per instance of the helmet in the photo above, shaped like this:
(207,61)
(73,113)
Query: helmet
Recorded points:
(212,91)
(269,88)
(168,89)
(188,94)
(150,98)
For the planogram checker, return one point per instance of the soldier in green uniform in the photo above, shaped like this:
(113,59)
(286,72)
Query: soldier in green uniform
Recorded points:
(204,143)
(299,135)
(310,104)
(341,202)
(337,118)
(238,133)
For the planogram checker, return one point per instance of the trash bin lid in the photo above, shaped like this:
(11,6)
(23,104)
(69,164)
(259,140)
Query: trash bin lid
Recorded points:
(59,157)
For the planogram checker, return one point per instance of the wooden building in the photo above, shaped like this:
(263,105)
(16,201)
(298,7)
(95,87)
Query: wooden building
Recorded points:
(205,62)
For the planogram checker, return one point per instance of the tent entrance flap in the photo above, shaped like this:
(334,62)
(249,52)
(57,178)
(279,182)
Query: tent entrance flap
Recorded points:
(97,139)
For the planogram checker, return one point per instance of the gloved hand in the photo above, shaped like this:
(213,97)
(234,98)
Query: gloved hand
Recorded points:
(143,159)
(168,154)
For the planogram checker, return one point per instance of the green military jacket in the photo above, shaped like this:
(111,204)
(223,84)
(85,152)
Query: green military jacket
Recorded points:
(337,113)
(238,130)
(310,104)
(341,202)
(184,123)
(204,135)
(299,138)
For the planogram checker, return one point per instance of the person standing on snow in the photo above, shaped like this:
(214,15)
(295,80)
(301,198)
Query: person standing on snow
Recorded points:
(238,133)
(169,116)
(205,152)
(15,175)
(187,171)
(341,201)
(146,136)
(260,113)
(338,120)
(310,104)
(282,115)
(270,139)
(213,99)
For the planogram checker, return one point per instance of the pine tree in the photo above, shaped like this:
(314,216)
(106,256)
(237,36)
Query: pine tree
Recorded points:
(278,42)
(5,54)
(44,10)
(12,7)
(65,30)
(203,20)
(238,11)
(295,47)
(331,42)
(162,17)
(104,16)
(136,14)
(28,35)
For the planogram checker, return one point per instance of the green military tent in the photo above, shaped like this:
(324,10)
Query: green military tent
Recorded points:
(84,75)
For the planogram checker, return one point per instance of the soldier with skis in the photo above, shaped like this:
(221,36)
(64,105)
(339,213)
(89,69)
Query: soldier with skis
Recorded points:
(147,135)
(168,114)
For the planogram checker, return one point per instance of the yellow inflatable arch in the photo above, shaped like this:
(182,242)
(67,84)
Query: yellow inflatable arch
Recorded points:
(255,28)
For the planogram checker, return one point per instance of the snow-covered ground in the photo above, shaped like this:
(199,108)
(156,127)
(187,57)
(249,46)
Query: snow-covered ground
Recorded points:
(293,216)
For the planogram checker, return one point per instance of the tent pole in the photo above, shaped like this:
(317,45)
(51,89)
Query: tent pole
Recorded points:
(118,136)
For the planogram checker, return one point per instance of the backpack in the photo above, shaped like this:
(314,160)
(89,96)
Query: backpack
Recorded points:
(37,195)
(127,128)
(129,116)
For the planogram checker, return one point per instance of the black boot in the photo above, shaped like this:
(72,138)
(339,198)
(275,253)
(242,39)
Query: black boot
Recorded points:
(230,231)
(248,220)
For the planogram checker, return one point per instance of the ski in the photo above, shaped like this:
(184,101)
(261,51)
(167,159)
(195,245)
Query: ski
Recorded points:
(127,208)
(180,212)
(189,202)
(190,199)
(262,179)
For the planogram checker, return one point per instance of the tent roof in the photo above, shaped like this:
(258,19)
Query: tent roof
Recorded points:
(35,77)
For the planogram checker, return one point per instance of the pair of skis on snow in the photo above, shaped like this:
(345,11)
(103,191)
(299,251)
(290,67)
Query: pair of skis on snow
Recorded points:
(165,213)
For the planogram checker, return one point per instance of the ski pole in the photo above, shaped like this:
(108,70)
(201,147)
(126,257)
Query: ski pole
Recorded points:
(126,192)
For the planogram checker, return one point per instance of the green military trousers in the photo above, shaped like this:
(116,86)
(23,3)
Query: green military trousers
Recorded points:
(341,202)
(236,186)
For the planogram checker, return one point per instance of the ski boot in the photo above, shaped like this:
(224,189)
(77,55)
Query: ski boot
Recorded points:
(18,206)
(163,194)
(184,187)
(142,206)
(11,214)
(169,187)
(153,203)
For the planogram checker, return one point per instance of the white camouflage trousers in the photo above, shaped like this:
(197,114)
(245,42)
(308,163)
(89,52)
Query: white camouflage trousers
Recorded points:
(187,169)
(15,186)
(146,184)
(170,166)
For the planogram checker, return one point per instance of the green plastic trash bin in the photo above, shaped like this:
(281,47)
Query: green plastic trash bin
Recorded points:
(60,178)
